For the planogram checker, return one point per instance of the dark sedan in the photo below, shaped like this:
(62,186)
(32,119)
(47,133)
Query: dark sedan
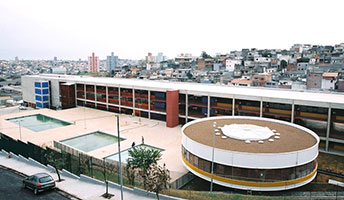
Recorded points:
(39,182)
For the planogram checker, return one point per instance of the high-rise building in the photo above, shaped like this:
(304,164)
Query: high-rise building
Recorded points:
(16,59)
(160,57)
(93,63)
(150,58)
(111,62)
(55,58)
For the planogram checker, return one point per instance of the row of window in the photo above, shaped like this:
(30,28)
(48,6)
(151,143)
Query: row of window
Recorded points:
(41,84)
(254,175)
(41,91)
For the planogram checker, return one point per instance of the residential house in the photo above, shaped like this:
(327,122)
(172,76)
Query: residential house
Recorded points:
(314,80)
(241,82)
(329,80)
(260,79)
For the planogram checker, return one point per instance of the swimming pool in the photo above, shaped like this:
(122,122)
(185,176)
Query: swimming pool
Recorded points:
(91,141)
(125,153)
(38,122)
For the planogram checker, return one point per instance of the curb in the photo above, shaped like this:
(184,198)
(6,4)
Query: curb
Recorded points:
(14,155)
(51,168)
(36,163)
(69,174)
(117,186)
(22,159)
(90,180)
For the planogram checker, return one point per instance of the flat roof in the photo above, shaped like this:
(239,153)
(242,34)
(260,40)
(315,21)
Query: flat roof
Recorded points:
(291,138)
(208,89)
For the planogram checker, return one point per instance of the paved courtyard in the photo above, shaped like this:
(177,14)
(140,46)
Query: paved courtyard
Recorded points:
(87,120)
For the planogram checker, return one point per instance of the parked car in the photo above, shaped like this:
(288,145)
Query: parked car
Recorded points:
(39,182)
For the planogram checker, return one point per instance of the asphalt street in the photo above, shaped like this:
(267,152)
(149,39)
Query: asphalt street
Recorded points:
(11,187)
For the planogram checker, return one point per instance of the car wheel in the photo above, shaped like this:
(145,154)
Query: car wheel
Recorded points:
(35,191)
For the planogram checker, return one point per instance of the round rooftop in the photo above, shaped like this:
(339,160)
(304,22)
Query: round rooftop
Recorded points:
(235,132)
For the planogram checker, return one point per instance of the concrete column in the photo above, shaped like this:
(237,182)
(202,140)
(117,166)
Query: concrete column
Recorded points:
(107,97)
(328,126)
(261,108)
(76,95)
(186,107)
(84,93)
(134,101)
(233,106)
(149,104)
(292,112)
(208,111)
(119,99)
(172,108)
(95,95)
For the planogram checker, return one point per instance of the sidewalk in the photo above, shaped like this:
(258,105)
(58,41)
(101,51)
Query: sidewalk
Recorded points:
(83,188)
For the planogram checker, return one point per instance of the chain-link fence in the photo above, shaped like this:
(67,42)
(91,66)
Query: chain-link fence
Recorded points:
(76,163)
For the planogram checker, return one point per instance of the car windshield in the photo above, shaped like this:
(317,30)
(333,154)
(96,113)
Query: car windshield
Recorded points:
(45,179)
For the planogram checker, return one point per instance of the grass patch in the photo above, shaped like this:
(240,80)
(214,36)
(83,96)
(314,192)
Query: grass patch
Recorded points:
(198,195)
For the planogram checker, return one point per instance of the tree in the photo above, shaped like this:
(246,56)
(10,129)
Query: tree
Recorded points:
(205,55)
(57,161)
(110,167)
(158,179)
(142,158)
(283,65)
(189,75)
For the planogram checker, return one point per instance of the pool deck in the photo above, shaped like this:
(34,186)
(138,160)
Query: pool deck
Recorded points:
(86,120)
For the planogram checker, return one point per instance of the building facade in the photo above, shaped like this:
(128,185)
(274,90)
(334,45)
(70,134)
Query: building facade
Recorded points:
(314,80)
(93,63)
(111,62)
(179,103)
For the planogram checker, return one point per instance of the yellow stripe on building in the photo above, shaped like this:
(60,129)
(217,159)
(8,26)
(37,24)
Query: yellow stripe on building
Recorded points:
(252,183)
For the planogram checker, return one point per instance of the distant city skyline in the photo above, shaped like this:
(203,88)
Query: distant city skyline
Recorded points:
(71,30)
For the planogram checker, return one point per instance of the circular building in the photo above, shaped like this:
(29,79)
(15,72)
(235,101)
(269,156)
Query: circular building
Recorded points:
(250,153)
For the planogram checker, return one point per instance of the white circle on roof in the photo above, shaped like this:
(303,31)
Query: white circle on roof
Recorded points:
(247,132)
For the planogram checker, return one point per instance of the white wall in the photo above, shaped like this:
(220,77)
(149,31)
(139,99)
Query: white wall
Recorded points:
(327,84)
(230,64)
(55,92)
(28,89)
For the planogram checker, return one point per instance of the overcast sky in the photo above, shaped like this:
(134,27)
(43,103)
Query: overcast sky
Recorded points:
(72,29)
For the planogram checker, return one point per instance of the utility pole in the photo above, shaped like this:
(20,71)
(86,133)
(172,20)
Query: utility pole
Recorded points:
(119,155)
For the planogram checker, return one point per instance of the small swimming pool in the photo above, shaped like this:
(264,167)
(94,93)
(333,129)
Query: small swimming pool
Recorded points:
(91,141)
(38,122)
(125,153)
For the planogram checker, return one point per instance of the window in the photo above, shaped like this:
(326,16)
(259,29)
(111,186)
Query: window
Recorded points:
(196,161)
(220,169)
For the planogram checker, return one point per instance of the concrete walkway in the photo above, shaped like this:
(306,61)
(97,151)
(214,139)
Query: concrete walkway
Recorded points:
(81,188)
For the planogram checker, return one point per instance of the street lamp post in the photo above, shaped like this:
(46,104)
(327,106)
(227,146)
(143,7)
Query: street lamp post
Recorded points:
(212,159)
(119,155)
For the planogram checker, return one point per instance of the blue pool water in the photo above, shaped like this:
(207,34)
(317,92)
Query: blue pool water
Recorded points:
(91,141)
(38,122)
